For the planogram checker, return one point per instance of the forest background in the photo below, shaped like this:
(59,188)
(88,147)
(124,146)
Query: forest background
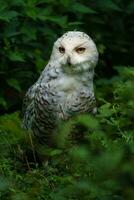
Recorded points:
(99,166)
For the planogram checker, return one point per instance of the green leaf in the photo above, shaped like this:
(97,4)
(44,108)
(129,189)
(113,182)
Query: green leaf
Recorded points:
(78,7)
(20,195)
(106,110)
(18,3)
(11,30)
(4,184)
(107,5)
(14,83)
(42,13)
(65,3)
(16,56)
(29,33)
(3,102)
(130,7)
(79,153)
(88,121)
(8,15)
(11,124)
(55,152)
(39,62)
(61,21)
(32,13)
(75,23)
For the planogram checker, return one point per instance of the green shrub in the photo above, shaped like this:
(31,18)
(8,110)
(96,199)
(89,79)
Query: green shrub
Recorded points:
(29,28)
(94,160)
(99,165)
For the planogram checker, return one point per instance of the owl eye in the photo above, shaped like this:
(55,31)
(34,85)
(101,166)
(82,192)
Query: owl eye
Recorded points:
(62,50)
(80,50)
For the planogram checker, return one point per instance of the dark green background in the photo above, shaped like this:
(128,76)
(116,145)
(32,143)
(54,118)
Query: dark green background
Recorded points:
(29,28)
(94,160)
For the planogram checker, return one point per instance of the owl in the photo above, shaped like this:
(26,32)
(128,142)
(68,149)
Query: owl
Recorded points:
(65,86)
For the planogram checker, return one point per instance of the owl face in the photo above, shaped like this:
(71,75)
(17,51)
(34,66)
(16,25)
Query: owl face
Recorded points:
(73,49)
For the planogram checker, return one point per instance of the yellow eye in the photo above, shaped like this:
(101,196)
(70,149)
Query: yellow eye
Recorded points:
(80,50)
(62,50)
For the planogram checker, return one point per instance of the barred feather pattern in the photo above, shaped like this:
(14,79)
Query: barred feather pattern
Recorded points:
(48,106)
(60,92)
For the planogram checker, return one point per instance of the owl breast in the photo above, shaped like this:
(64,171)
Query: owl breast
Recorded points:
(58,96)
(70,94)
(66,84)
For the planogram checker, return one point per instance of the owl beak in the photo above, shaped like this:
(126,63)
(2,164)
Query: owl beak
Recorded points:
(69,61)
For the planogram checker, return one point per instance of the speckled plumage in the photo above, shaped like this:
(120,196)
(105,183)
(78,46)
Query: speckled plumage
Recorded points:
(65,86)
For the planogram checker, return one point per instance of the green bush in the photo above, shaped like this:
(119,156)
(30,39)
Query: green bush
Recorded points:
(94,160)
(29,28)
(99,165)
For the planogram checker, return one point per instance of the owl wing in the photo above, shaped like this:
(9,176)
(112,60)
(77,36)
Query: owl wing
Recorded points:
(28,97)
(28,107)
(88,101)
(28,102)
(85,102)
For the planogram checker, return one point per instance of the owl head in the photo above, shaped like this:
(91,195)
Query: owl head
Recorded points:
(75,50)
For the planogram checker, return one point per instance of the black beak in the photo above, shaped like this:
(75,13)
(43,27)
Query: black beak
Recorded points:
(68,61)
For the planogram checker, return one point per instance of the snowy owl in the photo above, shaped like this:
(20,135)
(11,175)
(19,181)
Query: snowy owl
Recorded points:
(65,86)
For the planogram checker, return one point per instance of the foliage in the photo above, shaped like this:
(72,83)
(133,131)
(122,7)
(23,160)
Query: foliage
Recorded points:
(94,160)
(29,28)
(97,165)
